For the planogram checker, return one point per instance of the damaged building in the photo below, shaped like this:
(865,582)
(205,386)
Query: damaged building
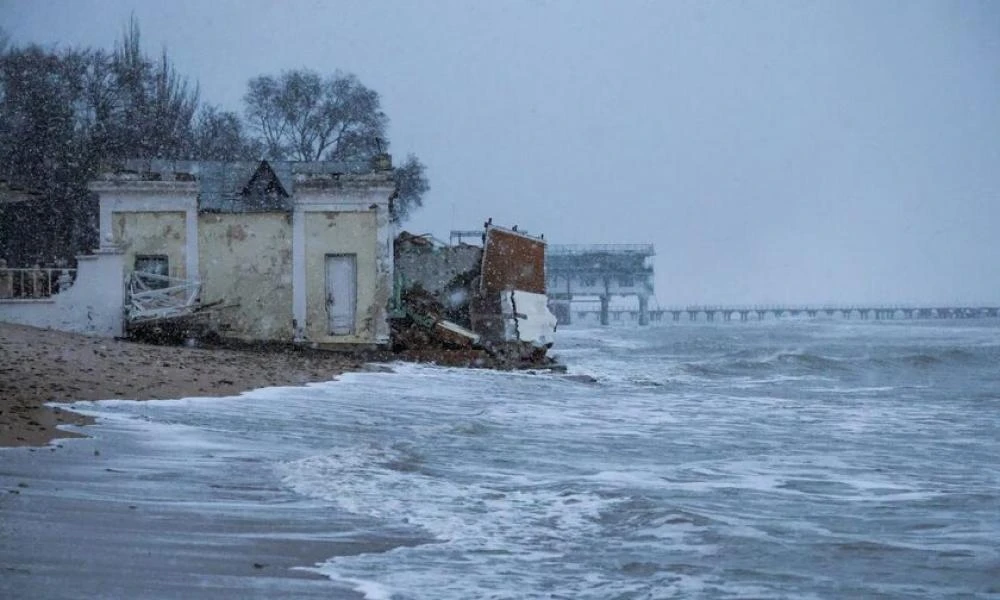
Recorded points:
(489,299)
(290,252)
(282,251)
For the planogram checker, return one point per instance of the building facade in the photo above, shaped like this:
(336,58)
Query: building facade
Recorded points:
(283,251)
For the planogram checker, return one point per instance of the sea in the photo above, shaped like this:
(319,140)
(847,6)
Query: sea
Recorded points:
(775,459)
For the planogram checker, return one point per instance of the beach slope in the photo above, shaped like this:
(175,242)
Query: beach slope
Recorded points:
(38,366)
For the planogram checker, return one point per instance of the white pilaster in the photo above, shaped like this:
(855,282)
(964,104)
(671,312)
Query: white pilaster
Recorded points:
(384,269)
(191,261)
(299,272)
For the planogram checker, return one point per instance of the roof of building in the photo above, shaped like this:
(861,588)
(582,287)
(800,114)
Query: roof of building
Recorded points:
(246,186)
(227,186)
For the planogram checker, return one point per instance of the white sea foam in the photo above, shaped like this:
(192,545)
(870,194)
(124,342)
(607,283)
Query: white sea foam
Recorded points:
(369,590)
(363,481)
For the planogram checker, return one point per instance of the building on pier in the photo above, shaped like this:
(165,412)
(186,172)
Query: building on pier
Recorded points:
(601,270)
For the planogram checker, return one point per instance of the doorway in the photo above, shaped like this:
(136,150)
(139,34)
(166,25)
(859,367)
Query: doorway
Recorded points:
(341,292)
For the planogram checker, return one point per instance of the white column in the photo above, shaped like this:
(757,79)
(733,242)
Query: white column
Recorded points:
(384,269)
(192,262)
(105,221)
(299,273)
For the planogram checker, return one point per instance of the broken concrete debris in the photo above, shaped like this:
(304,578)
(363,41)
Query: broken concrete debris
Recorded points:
(485,305)
(527,317)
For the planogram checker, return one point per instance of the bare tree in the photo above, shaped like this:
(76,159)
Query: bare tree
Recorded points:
(411,185)
(65,112)
(154,104)
(302,116)
(220,135)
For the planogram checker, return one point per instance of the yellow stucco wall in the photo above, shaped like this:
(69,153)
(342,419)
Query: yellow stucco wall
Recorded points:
(246,259)
(153,233)
(340,233)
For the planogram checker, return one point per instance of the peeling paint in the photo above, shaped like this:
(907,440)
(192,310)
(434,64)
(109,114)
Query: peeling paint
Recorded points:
(152,233)
(235,233)
(265,267)
(248,269)
(354,233)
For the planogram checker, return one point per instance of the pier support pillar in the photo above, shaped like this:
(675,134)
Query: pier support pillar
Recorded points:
(643,310)
(605,302)
(563,310)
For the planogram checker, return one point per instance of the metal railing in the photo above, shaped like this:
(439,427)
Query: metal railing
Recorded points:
(788,308)
(578,249)
(35,282)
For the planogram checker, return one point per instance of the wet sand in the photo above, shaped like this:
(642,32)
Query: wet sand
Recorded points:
(115,516)
(89,518)
(39,366)
(108,516)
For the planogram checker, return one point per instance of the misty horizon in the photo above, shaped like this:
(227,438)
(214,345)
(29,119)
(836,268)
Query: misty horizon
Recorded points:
(829,153)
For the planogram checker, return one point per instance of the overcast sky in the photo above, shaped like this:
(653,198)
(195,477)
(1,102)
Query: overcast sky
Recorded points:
(773,152)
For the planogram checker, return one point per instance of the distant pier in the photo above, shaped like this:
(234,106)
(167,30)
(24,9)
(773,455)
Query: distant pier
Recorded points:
(762,313)
(601,272)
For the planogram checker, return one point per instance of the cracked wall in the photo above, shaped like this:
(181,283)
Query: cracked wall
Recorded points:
(152,233)
(434,268)
(246,259)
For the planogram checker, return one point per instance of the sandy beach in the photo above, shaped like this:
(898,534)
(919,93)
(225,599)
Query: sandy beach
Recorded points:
(113,515)
(144,537)
(38,366)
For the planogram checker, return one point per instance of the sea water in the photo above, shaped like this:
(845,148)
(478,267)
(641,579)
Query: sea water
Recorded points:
(805,459)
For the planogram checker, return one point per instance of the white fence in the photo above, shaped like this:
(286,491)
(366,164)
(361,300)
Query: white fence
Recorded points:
(36,282)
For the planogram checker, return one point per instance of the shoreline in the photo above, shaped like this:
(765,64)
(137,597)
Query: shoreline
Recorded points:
(111,516)
(41,366)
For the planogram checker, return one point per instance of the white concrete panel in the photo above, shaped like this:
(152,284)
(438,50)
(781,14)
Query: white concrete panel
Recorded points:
(528,318)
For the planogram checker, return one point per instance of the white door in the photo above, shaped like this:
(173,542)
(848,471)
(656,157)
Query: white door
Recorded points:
(341,292)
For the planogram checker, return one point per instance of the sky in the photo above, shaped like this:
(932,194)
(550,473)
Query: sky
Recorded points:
(773,152)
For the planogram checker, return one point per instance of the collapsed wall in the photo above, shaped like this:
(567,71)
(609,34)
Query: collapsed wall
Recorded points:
(487,302)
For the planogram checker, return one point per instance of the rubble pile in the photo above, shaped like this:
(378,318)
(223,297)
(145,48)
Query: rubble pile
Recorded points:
(459,305)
